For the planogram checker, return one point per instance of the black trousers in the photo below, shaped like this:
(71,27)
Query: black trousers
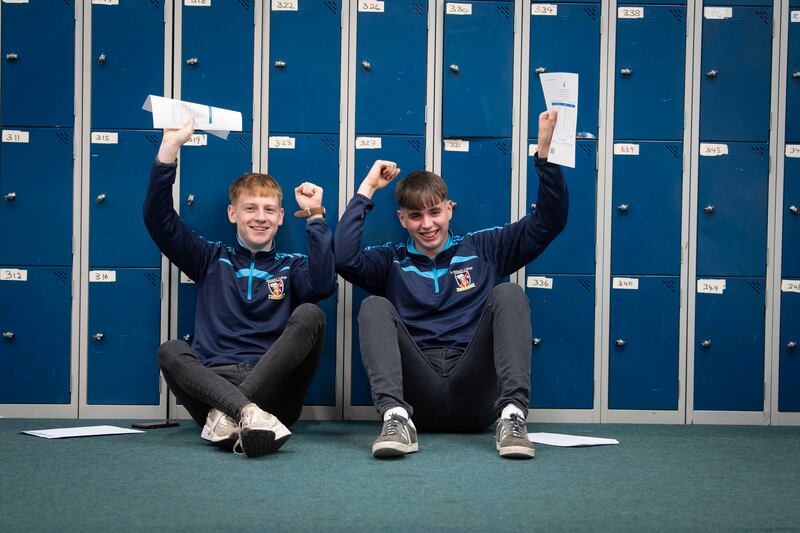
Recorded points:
(447,389)
(277,383)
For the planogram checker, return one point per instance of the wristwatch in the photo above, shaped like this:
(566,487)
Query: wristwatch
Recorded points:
(310,211)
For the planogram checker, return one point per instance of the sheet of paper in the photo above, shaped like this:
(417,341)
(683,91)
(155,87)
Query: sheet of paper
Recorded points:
(568,441)
(561,93)
(86,431)
(168,113)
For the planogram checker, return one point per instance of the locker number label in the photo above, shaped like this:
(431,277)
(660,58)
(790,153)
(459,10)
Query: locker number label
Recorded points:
(185,278)
(198,139)
(459,9)
(15,136)
(284,143)
(793,150)
(710,286)
(370,6)
(456,145)
(795,16)
(105,137)
(15,1)
(106,2)
(539,282)
(717,13)
(787,285)
(628,12)
(197,3)
(713,150)
(284,5)
(544,10)
(532,149)
(631,284)
(13,274)
(626,149)
(102,276)
(368,143)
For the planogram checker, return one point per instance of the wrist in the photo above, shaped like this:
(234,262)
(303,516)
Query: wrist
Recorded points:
(310,212)
(366,190)
(168,153)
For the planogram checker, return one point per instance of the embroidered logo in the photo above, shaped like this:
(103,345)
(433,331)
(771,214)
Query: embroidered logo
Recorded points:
(277,288)
(463,279)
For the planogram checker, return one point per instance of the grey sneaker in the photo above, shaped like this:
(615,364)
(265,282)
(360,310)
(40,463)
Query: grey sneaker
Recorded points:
(512,438)
(220,429)
(397,437)
(260,433)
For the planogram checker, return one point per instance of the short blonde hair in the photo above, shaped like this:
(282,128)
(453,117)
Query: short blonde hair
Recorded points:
(255,184)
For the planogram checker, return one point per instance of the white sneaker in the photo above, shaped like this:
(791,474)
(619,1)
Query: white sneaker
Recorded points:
(260,433)
(220,429)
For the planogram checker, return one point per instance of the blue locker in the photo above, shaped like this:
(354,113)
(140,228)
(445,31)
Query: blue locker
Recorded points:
(218,71)
(573,250)
(562,358)
(644,345)
(304,64)
(122,74)
(36,204)
(37,41)
(732,212)
(646,210)
(791,218)
(735,68)
(793,79)
(391,74)
(479,181)
(206,174)
(789,358)
(729,348)
(643,82)
(567,42)
(122,356)
(35,328)
(118,183)
(478,70)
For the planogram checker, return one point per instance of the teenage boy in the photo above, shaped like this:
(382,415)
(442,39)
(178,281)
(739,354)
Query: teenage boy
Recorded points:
(256,343)
(442,338)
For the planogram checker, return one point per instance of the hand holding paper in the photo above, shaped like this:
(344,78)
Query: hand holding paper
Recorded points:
(561,92)
(173,140)
(173,114)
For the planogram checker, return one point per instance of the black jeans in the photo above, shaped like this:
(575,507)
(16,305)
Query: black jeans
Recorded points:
(450,390)
(277,383)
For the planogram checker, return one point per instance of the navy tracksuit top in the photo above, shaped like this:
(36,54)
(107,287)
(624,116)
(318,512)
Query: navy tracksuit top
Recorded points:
(244,299)
(441,300)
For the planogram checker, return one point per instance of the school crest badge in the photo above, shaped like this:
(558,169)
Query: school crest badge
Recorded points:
(277,288)
(463,279)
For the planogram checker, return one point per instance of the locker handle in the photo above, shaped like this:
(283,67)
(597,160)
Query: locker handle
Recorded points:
(455,68)
(705,344)
(102,59)
(792,345)
(190,199)
(540,70)
(192,61)
(626,72)
(533,206)
(10,196)
(280,64)
(623,208)
(796,75)
(712,74)
(620,342)
(366,64)
(708,209)
(12,56)
(8,335)
(536,341)
(98,336)
(187,337)
(100,198)
(793,209)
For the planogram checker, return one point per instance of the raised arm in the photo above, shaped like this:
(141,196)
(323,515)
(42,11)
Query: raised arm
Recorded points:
(315,279)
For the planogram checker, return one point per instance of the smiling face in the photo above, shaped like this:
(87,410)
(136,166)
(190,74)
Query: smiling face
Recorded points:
(257,219)
(428,226)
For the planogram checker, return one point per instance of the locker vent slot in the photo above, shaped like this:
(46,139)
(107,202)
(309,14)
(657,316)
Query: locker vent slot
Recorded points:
(243,142)
(153,139)
(760,151)
(68,3)
(764,16)
(591,12)
(671,285)
(419,8)
(502,147)
(677,14)
(63,136)
(152,277)
(756,286)
(586,148)
(674,150)
(156,3)
(415,144)
(327,141)
(586,283)
(505,11)
(332,7)
(245,4)
(62,275)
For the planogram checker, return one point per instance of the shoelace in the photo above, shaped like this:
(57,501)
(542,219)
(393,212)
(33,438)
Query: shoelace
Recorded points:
(516,426)
(393,425)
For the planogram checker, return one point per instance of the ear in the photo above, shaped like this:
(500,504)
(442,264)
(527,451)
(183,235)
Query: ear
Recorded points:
(231,214)
(280,217)
(402,217)
(449,210)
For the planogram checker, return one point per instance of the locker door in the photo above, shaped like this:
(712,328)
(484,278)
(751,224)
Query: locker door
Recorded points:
(646,210)
(791,219)
(562,359)
(119,179)
(391,74)
(35,327)
(122,356)
(479,181)
(793,77)
(478,69)
(218,71)
(123,74)
(382,226)
(567,41)
(729,348)
(36,191)
(207,170)
(789,358)
(644,344)
(573,250)
(304,64)
(37,40)
(732,212)
(650,64)
(735,68)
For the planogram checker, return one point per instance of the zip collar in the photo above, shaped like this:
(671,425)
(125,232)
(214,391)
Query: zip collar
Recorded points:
(240,247)
(413,249)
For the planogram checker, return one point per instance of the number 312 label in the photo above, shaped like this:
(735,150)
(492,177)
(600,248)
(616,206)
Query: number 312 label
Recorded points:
(13,274)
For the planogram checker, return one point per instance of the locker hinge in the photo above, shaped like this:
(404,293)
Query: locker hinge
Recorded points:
(70,383)
(161,293)
(679,390)
(159,387)
(763,392)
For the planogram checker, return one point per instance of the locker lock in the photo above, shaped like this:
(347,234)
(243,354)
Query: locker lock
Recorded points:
(705,344)
(280,64)
(100,198)
(98,336)
(623,208)
(709,209)
(8,335)
(540,70)
(626,72)
(796,75)
(12,56)
(533,206)
(187,337)
(620,342)
(102,58)
(192,61)
(712,74)
(536,341)
(10,196)
(454,68)
(190,199)
(366,64)
(793,209)
(792,345)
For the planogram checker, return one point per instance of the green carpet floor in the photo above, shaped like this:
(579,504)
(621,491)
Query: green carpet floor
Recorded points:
(664,478)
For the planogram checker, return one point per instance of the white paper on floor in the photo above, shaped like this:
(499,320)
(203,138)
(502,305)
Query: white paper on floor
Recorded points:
(558,439)
(86,431)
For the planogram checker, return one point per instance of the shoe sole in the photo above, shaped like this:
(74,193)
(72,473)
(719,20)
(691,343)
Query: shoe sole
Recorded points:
(218,441)
(393,449)
(258,442)
(516,452)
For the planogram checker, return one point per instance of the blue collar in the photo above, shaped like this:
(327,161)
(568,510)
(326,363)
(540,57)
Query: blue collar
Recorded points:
(251,252)
(413,249)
